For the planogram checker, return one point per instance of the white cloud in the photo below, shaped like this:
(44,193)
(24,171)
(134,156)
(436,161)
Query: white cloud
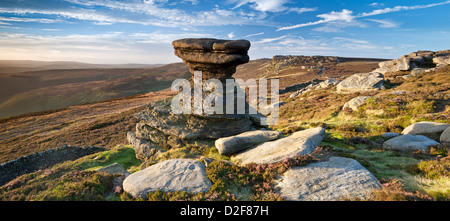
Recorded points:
(153,13)
(271,6)
(344,15)
(301,10)
(385,23)
(268,40)
(376,4)
(231,35)
(256,34)
(338,46)
(400,8)
(112,47)
(347,15)
(18,19)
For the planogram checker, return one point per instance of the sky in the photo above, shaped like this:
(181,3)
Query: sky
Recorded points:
(141,31)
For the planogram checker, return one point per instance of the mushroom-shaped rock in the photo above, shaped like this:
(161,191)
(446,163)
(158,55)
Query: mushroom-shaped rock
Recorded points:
(215,58)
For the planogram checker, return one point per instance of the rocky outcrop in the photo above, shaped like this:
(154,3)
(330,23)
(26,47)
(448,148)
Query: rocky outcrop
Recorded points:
(160,128)
(299,143)
(356,102)
(168,176)
(145,150)
(312,85)
(432,130)
(234,144)
(409,143)
(330,180)
(425,60)
(361,82)
(43,160)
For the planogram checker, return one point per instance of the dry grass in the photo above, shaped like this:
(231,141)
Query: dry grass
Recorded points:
(102,124)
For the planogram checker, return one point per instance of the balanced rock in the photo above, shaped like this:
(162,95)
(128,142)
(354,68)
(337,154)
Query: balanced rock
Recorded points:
(361,82)
(168,176)
(445,137)
(159,127)
(215,58)
(356,102)
(330,180)
(234,144)
(409,142)
(432,130)
(299,143)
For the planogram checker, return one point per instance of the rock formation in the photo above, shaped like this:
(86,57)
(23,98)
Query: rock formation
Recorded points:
(356,102)
(168,176)
(160,127)
(409,142)
(330,180)
(234,144)
(361,82)
(419,61)
(215,58)
(299,143)
(432,130)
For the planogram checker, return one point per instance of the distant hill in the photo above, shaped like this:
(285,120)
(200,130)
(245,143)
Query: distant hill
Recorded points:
(33,91)
(17,66)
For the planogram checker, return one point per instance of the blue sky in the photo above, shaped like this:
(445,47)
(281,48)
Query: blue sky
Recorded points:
(141,31)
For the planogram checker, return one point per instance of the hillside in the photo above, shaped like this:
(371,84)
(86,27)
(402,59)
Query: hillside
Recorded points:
(403,100)
(49,89)
(18,66)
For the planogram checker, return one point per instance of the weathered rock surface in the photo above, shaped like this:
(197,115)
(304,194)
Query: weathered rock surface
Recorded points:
(168,176)
(299,143)
(420,59)
(114,168)
(216,58)
(409,142)
(445,137)
(330,180)
(145,149)
(326,83)
(432,130)
(160,127)
(234,144)
(189,126)
(390,135)
(361,82)
(356,102)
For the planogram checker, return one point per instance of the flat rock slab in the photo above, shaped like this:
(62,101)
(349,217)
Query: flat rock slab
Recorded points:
(330,180)
(114,168)
(234,144)
(409,142)
(299,143)
(168,176)
(356,102)
(432,130)
(361,82)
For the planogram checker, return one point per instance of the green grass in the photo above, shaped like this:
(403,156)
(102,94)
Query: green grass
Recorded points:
(72,180)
